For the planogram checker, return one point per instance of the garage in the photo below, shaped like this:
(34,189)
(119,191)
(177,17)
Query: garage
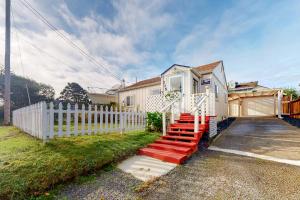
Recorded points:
(258,106)
(253,104)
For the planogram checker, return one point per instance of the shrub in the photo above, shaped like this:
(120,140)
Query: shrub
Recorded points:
(154,121)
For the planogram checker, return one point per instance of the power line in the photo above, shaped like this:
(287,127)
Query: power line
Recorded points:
(60,34)
(20,56)
(18,42)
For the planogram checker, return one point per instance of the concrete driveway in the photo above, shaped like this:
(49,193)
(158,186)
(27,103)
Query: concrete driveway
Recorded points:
(263,136)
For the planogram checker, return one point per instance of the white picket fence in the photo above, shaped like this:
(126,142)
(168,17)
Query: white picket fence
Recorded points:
(45,122)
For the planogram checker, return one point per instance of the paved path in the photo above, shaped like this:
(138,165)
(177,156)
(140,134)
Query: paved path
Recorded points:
(214,174)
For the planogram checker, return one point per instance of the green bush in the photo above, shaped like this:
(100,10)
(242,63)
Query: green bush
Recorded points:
(154,121)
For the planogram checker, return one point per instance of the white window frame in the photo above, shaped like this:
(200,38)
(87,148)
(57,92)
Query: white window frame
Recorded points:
(216,90)
(197,86)
(131,101)
(182,82)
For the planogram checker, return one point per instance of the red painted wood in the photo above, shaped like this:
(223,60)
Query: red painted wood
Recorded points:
(180,138)
(173,148)
(179,143)
(167,156)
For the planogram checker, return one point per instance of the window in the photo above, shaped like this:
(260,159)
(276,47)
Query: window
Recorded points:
(176,84)
(195,86)
(216,90)
(129,101)
(154,91)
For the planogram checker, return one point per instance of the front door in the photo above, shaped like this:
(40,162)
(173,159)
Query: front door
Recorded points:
(176,84)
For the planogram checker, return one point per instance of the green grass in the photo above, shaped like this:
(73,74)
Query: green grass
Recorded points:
(29,167)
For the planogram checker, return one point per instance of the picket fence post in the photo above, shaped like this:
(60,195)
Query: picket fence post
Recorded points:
(111,120)
(90,120)
(95,120)
(106,119)
(68,132)
(60,119)
(82,119)
(76,119)
(121,121)
(44,125)
(51,120)
(101,119)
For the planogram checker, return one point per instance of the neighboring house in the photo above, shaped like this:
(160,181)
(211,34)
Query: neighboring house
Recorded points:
(251,99)
(109,97)
(189,81)
(103,99)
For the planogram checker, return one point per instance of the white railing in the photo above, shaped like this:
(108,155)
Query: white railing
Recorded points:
(45,122)
(202,105)
(167,107)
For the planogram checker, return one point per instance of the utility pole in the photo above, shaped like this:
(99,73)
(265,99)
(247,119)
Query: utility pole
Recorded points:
(7,65)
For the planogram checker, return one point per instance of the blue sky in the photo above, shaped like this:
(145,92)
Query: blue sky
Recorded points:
(257,40)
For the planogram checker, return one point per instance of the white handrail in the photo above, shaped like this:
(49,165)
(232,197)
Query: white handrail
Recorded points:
(199,103)
(196,109)
(163,110)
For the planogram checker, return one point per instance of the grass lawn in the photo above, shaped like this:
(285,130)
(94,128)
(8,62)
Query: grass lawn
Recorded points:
(28,167)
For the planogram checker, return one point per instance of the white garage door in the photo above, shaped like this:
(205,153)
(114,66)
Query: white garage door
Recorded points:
(258,106)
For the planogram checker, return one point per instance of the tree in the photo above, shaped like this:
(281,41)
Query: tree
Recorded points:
(73,93)
(19,97)
(291,92)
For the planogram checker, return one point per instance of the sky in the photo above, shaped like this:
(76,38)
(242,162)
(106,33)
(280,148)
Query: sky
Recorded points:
(139,39)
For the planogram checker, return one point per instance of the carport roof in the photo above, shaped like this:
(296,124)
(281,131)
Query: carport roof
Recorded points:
(260,93)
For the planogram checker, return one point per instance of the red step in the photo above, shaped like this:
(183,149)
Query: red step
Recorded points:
(192,133)
(177,143)
(180,138)
(167,147)
(184,128)
(167,156)
(180,142)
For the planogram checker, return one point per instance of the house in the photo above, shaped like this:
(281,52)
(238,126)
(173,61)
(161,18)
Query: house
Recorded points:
(108,97)
(149,95)
(251,99)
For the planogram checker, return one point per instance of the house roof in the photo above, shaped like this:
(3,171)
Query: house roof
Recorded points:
(143,83)
(203,69)
(208,68)
(173,66)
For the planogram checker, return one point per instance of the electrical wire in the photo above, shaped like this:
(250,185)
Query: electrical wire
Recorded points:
(65,38)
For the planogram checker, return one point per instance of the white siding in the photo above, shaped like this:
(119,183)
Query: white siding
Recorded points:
(139,95)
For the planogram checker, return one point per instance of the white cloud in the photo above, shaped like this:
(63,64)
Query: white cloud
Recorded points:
(115,42)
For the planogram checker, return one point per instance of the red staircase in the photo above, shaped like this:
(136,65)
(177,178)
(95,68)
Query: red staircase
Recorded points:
(180,141)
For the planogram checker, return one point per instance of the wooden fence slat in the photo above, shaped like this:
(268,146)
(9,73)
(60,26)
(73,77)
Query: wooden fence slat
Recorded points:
(111,120)
(101,119)
(95,120)
(106,119)
(60,119)
(76,119)
(90,120)
(68,124)
(51,121)
(83,119)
